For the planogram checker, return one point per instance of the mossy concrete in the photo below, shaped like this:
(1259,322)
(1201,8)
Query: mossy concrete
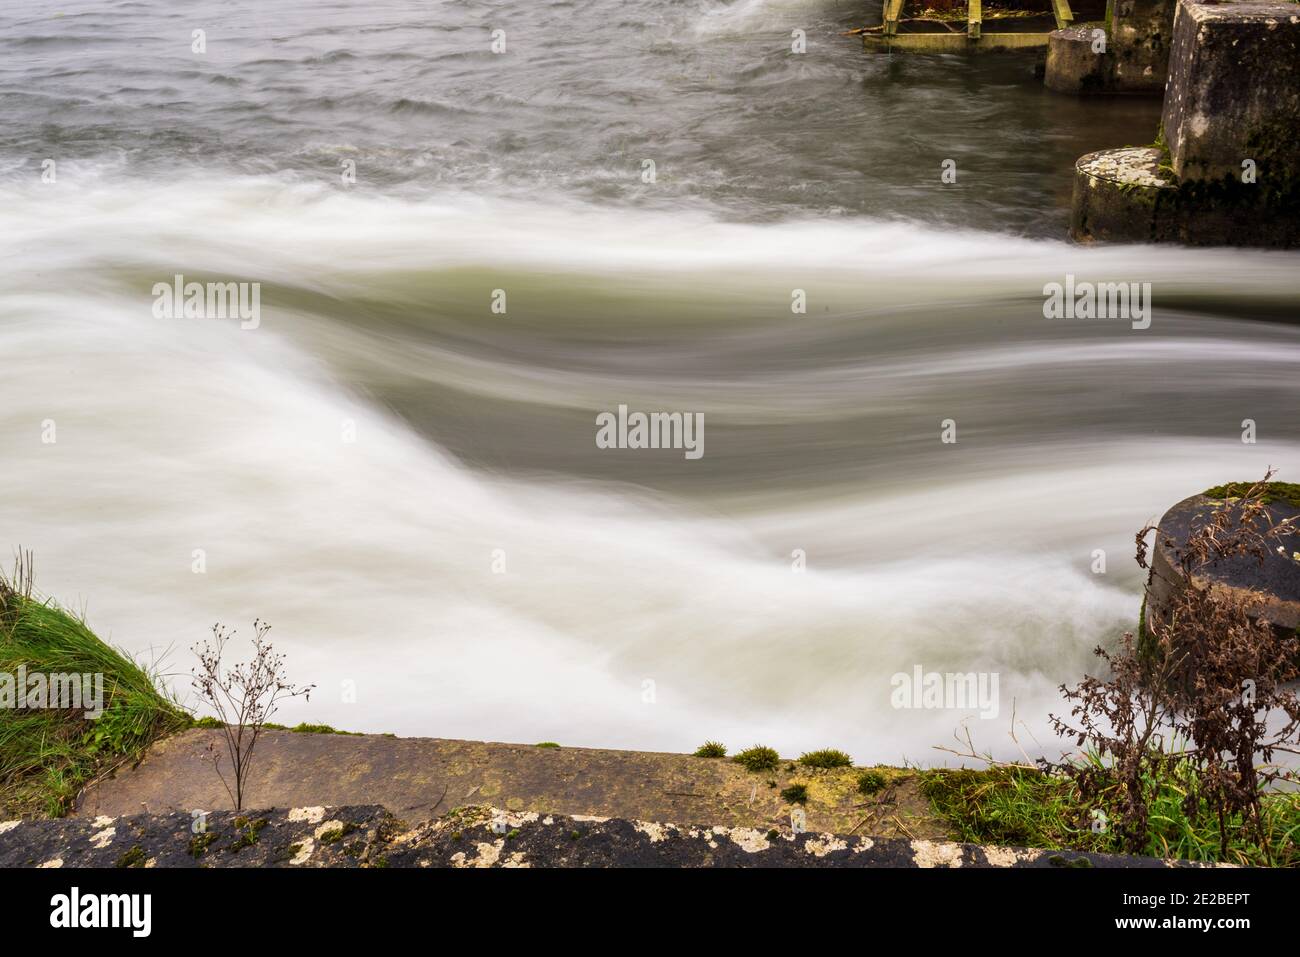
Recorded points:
(1140,36)
(1123,195)
(1234,90)
(1227,154)
(420,778)
(1273,584)
(486,837)
(1131,195)
(1134,58)
(1073,63)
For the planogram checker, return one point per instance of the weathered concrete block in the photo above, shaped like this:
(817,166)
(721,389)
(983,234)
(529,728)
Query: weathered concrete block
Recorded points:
(1140,35)
(1123,196)
(1127,195)
(1271,583)
(1074,63)
(1234,91)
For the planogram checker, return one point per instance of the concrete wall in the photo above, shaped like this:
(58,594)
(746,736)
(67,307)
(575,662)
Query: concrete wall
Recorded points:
(1234,90)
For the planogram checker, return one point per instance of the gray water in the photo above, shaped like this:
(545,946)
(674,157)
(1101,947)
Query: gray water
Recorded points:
(406,484)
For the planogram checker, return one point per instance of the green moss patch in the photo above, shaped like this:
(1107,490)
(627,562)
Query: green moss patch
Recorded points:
(871,782)
(249,833)
(1287,493)
(795,794)
(336,834)
(758,758)
(826,758)
(302,728)
(200,843)
(135,857)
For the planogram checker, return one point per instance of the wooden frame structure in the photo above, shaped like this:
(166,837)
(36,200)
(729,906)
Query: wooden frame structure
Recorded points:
(973,38)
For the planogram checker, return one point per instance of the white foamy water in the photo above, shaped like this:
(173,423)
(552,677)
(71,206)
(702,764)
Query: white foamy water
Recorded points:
(474,433)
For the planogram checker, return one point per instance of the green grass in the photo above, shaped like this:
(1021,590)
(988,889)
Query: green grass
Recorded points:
(1027,808)
(47,756)
(546,744)
(758,758)
(826,758)
(795,794)
(711,749)
(1007,805)
(871,782)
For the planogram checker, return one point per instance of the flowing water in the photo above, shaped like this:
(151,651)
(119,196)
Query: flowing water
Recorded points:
(407,484)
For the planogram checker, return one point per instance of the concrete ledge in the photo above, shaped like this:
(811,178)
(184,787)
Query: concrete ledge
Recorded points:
(482,836)
(421,778)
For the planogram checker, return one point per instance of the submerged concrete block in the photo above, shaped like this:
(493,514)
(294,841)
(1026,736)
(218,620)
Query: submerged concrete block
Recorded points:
(1074,63)
(1233,97)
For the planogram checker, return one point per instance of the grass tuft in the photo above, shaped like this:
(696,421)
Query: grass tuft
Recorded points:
(871,782)
(826,758)
(711,749)
(48,755)
(795,794)
(758,758)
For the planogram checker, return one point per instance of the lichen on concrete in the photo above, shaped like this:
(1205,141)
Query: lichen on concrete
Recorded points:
(369,836)
(1129,166)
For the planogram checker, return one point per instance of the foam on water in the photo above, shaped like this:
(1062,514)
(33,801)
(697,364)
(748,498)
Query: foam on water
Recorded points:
(373,559)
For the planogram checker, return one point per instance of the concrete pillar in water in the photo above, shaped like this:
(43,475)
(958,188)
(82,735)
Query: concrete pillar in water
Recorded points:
(1074,62)
(1229,163)
(1234,93)
(1273,584)
(1133,56)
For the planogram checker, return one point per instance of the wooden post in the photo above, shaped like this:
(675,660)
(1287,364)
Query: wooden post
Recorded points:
(973,16)
(1064,15)
(893,9)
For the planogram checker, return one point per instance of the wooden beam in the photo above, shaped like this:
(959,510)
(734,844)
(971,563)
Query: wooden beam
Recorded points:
(893,10)
(973,17)
(1064,15)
